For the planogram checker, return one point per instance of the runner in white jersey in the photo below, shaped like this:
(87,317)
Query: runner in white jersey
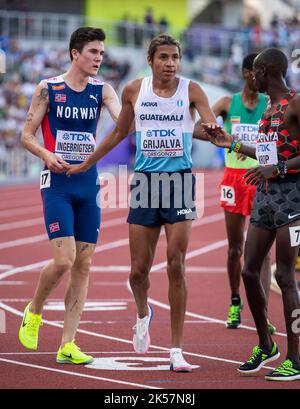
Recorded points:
(164,108)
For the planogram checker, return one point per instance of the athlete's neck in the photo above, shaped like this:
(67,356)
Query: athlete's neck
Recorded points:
(276,90)
(164,88)
(75,79)
(249,97)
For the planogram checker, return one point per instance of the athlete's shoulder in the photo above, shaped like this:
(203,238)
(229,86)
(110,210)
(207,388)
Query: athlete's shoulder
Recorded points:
(54,80)
(95,81)
(133,86)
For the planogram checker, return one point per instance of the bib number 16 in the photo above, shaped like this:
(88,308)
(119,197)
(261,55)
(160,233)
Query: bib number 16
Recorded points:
(228,195)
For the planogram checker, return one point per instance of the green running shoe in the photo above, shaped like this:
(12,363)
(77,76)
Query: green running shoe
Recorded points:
(70,353)
(29,329)
(234,316)
(287,371)
(258,359)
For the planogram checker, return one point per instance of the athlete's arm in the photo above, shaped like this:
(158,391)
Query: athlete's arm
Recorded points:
(221,107)
(111,101)
(292,121)
(199,100)
(36,113)
(120,131)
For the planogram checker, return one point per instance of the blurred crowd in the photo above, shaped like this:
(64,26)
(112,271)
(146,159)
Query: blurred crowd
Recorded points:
(130,31)
(25,69)
(216,53)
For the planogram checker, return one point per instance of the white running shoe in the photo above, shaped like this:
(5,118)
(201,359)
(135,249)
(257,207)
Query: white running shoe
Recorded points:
(177,362)
(141,336)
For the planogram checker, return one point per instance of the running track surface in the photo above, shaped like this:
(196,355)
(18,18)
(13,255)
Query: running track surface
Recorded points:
(106,326)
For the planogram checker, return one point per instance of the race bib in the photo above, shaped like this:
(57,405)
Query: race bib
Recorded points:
(45,179)
(161,143)
(74,146)
(295,236)
(266,153)
(246,133)
(228,195)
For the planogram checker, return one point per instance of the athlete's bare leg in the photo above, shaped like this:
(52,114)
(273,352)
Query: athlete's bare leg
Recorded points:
(258,244)
(177,241)
(286,257)
(235,226)
(64,253)
(77,290)
(142,241)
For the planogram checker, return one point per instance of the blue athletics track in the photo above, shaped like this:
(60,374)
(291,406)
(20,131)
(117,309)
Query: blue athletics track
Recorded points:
(106,327)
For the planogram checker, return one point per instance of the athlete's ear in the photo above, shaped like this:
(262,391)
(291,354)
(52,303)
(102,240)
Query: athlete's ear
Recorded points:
(74,53)
(149,60)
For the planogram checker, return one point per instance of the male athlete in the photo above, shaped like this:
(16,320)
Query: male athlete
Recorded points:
(68,109)
(241,113)
(275,213)
(163,106)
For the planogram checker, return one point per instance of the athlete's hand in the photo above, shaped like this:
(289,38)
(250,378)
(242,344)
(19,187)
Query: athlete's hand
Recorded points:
(217,135)
(54,163)
(256,175)
(73,169)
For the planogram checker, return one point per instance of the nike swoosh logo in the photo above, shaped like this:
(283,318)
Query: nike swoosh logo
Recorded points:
(67,356)
(292,216)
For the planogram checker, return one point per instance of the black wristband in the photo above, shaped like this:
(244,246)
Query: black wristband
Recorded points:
(282,169)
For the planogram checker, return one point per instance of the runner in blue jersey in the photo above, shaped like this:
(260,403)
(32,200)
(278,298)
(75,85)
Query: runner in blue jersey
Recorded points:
(68,108)
(163,107)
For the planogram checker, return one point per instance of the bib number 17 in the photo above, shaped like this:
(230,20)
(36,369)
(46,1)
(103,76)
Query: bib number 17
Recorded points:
(45,179)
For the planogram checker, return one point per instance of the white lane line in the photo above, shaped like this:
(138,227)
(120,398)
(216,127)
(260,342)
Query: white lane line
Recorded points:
(20,211)
(188,269)
(21,224)
(42,237)
(23,241)
(5,266)
(87,352)
(80,375)
(111,338)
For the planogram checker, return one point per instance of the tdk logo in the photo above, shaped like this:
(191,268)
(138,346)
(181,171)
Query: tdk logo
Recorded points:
(149,104)
(160,132)
(76,137)
(263,148)
(183,211)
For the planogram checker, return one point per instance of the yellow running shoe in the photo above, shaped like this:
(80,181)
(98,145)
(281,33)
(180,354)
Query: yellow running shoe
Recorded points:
(29,329)
(71,354)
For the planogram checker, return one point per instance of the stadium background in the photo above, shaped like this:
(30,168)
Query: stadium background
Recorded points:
(215,35)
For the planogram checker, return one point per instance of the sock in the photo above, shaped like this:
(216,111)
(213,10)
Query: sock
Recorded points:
(235,299)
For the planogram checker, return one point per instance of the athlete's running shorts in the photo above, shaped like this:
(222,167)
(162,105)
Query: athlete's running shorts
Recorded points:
(70,205)
(276,203)
(236,196)
(159,198)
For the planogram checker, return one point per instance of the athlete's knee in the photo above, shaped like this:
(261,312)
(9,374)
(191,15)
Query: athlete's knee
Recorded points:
(63,266)
(81,267)
(176,268)
(235,252)
(139,274)
(250,274)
